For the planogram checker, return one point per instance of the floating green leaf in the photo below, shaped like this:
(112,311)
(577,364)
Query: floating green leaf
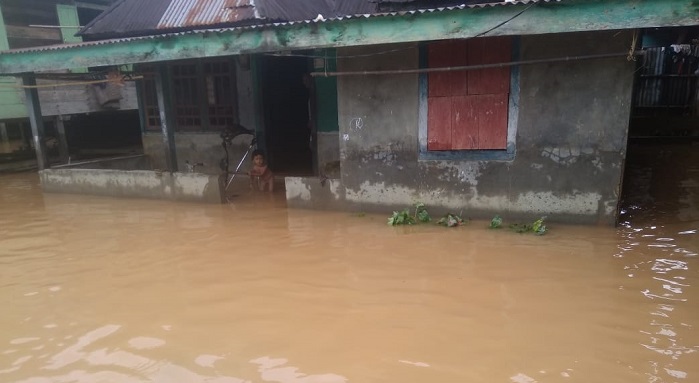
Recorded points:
(421,213)
(537,227)
(450,220)
(496,222)
(404,217)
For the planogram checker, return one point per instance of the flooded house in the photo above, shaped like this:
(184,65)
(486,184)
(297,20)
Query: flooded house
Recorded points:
(82,115)
(517,108)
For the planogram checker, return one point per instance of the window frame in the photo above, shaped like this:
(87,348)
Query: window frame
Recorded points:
(150,112)
(507,154)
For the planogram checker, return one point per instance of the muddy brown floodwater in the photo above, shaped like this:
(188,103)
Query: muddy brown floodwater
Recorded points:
(111,290)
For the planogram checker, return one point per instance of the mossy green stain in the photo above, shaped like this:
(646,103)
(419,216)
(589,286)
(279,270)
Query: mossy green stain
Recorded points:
(168,43)
(283,36)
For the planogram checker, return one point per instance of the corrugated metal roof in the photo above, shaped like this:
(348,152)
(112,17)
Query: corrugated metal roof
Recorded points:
(271,25)
(193,13)
(126,20)
(140,17)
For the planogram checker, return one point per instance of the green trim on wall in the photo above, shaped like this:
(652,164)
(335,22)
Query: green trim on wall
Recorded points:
(4,43)
(11,104)
(517,19)
(326,91)
(68,17)
(255,64)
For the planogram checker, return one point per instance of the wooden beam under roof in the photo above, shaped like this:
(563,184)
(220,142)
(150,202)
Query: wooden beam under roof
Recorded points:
(35,33)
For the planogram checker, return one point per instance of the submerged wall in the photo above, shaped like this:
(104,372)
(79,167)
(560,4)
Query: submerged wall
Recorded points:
(570,119)
(193,187)
(329,154)
(197,147)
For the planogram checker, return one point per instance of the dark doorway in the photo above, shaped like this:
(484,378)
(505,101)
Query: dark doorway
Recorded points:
(666,88)
(660,171)
(103,134)
(285,107)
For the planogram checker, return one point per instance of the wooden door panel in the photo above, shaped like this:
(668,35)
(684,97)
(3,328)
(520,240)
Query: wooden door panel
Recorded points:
(492,120)
(492,50)
(459,79)
(439,56)
(439,123)
(465,132)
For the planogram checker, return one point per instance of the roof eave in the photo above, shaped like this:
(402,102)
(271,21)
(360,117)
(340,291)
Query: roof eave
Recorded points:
(570,16)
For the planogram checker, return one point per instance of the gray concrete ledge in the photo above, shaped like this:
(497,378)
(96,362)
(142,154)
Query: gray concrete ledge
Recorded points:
(193,187)
(310,193)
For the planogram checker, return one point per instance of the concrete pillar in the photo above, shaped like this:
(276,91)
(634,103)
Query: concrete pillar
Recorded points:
(3,132)
(62,140)
(167,116)
(23,135)
(34,111)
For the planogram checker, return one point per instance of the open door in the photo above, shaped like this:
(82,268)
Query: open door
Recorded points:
(287,114)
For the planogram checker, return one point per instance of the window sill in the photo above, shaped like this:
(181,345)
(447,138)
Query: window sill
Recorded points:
(468,155)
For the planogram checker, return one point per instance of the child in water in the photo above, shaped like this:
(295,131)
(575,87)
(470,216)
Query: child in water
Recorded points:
(261,177)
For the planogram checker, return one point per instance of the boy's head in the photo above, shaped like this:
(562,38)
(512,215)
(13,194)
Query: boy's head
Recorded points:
(258,157)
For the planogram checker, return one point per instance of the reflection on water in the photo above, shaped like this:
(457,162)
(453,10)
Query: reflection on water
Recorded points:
(111,290)
(659,221)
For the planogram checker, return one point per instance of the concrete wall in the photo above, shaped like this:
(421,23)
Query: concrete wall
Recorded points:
(329,154)
(571,124)
(197,147)
(193,187)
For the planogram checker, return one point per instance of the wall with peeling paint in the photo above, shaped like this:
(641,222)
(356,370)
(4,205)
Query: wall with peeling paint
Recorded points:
(571,118)
(329,154)
(192,187)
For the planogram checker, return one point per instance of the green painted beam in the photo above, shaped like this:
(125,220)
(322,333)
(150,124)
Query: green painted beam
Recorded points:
(4,43)
(68,17)
(566,16)
(11,104)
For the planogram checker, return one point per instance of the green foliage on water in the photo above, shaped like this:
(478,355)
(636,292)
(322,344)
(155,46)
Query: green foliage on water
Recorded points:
(450,220)
(408,217)
(496,222)
(421,213)
(418,214)
(401,218)
(537,227)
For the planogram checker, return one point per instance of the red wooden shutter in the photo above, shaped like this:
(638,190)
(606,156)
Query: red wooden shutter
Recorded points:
(439,56)
(493,50)
(492,120)
(468,109)
(465,132)
(439,123)
(443,55)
